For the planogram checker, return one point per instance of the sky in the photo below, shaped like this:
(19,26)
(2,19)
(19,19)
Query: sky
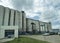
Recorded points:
(43,10)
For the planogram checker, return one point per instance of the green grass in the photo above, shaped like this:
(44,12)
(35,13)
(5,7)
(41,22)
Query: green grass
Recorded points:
(26,40)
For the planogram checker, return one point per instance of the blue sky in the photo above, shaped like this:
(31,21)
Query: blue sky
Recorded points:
(43,10)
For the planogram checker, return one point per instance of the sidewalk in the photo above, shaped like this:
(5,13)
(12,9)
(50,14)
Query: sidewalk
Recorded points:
(51,38)
(6,39)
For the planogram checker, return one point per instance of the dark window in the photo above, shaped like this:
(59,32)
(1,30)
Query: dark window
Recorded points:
(14,17)
(3,17)
(22,11)
(9,32)
(9,17)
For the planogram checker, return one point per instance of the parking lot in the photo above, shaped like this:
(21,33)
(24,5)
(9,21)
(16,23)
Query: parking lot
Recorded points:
(50,38)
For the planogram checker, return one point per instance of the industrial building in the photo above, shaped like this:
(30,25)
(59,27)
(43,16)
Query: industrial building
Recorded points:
(13,22)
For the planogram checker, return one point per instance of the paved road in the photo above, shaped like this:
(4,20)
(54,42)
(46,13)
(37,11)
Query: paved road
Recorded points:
(6,39)
(51,38)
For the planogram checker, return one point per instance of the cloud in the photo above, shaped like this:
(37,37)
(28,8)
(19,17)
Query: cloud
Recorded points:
(52,12)
(18,4)
(31,14)
(44,10)
(56,26)
(49,15)
(22,4)
(6,3)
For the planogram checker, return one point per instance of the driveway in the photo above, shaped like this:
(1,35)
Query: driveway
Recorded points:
(51,38)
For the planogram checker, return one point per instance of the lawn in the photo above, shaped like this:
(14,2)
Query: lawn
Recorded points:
(26,40)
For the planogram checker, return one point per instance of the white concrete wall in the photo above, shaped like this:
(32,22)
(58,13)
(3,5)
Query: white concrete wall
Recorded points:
(3,28)
(1,14)
(29,21)
(1,33)
(16,19)
(6,16)
(20,21)
(6,20)
(23,22)
(12,17)
(49,26)
(37,25)
(46,26)
(1,18)
(29,26)
(46,29)
(42,27)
